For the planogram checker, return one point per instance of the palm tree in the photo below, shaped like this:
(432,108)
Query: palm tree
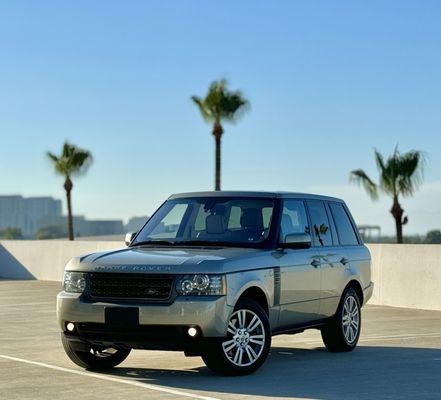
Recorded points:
(400,175)
(220,105)
(72,161)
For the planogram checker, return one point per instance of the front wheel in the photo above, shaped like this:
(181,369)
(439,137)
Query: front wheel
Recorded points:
(97,358)
(247,344)
(343,331)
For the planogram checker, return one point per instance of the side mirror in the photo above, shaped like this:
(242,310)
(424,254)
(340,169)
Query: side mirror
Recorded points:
(129,237)
(297,241)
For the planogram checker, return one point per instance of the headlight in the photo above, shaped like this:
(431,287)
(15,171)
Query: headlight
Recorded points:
(74,282)
(201,285)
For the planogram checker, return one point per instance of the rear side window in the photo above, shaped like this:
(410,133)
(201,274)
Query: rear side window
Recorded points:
(345,230)
(320,223)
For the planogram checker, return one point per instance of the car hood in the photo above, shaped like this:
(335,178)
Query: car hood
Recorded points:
(165,260)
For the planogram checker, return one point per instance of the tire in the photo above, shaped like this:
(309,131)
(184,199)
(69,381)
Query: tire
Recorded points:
(341,334)
(247,344)
(96,359)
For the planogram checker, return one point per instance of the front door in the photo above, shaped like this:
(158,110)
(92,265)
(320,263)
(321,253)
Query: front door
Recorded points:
(330,255)
(299,269)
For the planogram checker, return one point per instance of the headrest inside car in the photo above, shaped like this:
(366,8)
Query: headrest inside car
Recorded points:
(251,218)
(215,224)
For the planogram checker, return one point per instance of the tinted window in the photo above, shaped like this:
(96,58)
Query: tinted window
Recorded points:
(294,218)
(210,220)
(345,230)
(320,223)
(169,226)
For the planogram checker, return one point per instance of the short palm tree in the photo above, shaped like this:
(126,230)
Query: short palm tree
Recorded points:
(400,175)
(217,106)
(72,161)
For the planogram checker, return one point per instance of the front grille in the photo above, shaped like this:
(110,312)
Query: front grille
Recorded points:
(130,286)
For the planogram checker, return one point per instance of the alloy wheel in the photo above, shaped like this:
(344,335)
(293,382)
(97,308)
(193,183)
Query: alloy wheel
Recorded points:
(351,319)
(245,338)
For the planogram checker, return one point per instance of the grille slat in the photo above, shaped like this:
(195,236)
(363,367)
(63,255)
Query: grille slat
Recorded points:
(130,286)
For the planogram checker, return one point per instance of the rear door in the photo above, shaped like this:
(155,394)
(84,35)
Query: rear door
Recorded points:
(299,269)
(337,268)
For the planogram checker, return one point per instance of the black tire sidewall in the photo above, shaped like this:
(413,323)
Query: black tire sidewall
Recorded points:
(333,334)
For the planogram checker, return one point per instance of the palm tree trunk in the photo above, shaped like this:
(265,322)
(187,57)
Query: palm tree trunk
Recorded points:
(68,185)
(217,133)
(397,213)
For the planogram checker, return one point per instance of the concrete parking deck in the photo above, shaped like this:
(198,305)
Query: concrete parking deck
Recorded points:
(398,357)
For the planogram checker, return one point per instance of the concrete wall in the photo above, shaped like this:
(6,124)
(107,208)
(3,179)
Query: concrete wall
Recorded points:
(404,275)
(44,259)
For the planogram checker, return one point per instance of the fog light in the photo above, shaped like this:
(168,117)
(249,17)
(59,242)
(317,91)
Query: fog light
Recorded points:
(70,326)
(192,332)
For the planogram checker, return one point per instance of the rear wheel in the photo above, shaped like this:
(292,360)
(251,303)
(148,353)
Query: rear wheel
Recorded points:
(247,344)
(343,331)
(96,357)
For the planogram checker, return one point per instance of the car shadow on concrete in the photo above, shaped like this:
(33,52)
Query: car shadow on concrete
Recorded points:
(369,372)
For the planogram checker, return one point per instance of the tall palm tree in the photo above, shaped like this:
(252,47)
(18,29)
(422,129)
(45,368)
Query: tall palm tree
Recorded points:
(72,161)
(217,106)
(399,175)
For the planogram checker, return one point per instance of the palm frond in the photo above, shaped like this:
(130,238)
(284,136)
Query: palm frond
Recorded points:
(205,112)
(360,177)
(220,104)
(411,172)
(72,161)
(401,174)
(385,170)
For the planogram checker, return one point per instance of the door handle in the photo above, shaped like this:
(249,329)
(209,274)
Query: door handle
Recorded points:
(315,263)
(344,261)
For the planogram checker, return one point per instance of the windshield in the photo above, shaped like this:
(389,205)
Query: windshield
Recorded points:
(209,220)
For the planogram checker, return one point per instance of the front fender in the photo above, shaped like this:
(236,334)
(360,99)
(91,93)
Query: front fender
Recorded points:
(239,282)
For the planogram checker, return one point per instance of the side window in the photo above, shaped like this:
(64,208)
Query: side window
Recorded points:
(234,219)
(320,223)
(345,230)
(199,224)
(294,218)
(267,213)
(169,226)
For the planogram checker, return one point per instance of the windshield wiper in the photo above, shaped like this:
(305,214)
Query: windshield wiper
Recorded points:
(159,242)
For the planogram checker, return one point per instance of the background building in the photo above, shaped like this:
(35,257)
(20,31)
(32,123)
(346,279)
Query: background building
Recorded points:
(32,214)
(135,224)
(27,214)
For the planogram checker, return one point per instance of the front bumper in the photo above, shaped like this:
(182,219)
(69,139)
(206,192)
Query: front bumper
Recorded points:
(210,314)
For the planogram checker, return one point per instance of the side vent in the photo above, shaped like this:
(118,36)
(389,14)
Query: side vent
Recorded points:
(276,286)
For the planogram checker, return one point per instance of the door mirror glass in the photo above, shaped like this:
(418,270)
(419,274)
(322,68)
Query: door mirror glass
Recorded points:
(129,237)
(297,240)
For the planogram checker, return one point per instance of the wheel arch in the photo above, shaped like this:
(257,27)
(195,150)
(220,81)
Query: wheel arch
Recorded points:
(258,295)
(355,284)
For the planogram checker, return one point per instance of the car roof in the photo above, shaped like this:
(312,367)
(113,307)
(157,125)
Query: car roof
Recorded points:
(239,193)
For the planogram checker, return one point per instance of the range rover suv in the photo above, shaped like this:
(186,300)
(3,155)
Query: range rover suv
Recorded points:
(216,275)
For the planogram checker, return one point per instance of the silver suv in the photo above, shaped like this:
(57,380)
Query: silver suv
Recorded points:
(216,274)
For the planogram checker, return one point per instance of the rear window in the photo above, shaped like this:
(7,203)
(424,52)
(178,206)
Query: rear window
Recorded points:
(345,230)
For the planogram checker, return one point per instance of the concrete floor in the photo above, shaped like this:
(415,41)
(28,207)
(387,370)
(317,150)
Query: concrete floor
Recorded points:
(398,357)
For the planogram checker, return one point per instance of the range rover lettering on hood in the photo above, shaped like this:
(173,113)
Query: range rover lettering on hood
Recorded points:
(131,268)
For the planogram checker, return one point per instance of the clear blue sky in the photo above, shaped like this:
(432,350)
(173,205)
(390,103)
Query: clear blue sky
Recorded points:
(328,82)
